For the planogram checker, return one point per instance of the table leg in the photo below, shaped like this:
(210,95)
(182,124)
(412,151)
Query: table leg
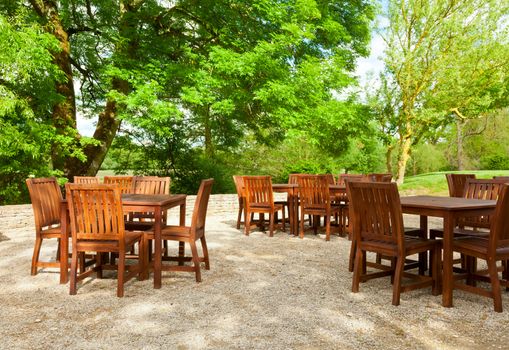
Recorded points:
(157,248)
(423,257)
(295,210)
(64,244)
(447,278)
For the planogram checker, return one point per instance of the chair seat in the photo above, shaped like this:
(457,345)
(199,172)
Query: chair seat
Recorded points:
(477,245)
(130,238)
(412,245)
(476,232)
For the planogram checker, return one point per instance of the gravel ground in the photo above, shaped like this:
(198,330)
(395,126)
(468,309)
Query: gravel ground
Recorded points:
(261,293)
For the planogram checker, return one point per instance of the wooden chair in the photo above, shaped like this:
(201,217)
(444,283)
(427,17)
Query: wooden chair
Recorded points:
(239,186)
(315,199)
(145,221)
(475,189)
(491,249)
(124,182)
(46,199)
(151,185)
(86,180)
(190,234)
(456,183)
(260,199)
(97,225)
(378,227)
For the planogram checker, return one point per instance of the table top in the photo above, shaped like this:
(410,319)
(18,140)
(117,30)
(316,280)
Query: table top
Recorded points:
(446,203)
(151,199)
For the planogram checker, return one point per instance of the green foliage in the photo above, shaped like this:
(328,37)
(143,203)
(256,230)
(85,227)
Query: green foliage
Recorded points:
(26,135)
(495,162)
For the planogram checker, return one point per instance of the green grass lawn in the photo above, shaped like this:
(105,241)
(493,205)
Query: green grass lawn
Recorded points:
(436,184)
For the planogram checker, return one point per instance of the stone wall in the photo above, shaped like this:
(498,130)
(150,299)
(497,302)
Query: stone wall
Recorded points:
(17,216)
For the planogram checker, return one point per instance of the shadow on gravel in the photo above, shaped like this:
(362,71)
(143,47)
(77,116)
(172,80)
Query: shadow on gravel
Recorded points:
(3,238)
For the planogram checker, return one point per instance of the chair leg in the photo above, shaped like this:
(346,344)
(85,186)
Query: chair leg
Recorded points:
(495,285)
(58,250)
(35,256)
(357,270)
(239,218)
(271,224)
(142,251)
(351,259)
(327,228)
(205,252)
(301,234)
(247,223)
(396,287)
(74,271)
(120,274)
(98,264)
(146,254)
(435,260)
(196,260)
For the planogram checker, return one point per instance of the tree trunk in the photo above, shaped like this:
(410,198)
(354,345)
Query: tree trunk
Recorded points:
(64,112)
(405,143)
(108,123)
(388,158)
(459,143)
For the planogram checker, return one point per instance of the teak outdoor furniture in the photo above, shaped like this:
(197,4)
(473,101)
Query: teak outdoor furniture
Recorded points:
(485,189)
(456,183)
(46,196)
(315,199)
(493,248)
(190,234)
(378,227)
(132,203)
(260,199)
(125,182)
(239,187)
(450,209)
(86,180)
(97,225)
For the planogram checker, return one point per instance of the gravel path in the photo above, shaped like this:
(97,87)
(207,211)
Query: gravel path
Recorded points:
(261,293)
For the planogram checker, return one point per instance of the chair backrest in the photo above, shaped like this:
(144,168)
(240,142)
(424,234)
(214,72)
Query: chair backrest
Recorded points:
(124,182)
(239,185)
(292,178)
(380,177)
(456,183)
(151,185)
(200,206)
(499,230)
(46,198)
(376,212)
(342,178)
(258,191)
(480,189)
(314,191)
(330,179)
(502,178)
(95,211)
(86,180)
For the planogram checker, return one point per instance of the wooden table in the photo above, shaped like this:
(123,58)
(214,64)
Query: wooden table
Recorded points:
(157,203)
(293,201)
(450,209)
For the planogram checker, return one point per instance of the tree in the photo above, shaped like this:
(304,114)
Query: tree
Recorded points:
(185,74)
(430,44)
